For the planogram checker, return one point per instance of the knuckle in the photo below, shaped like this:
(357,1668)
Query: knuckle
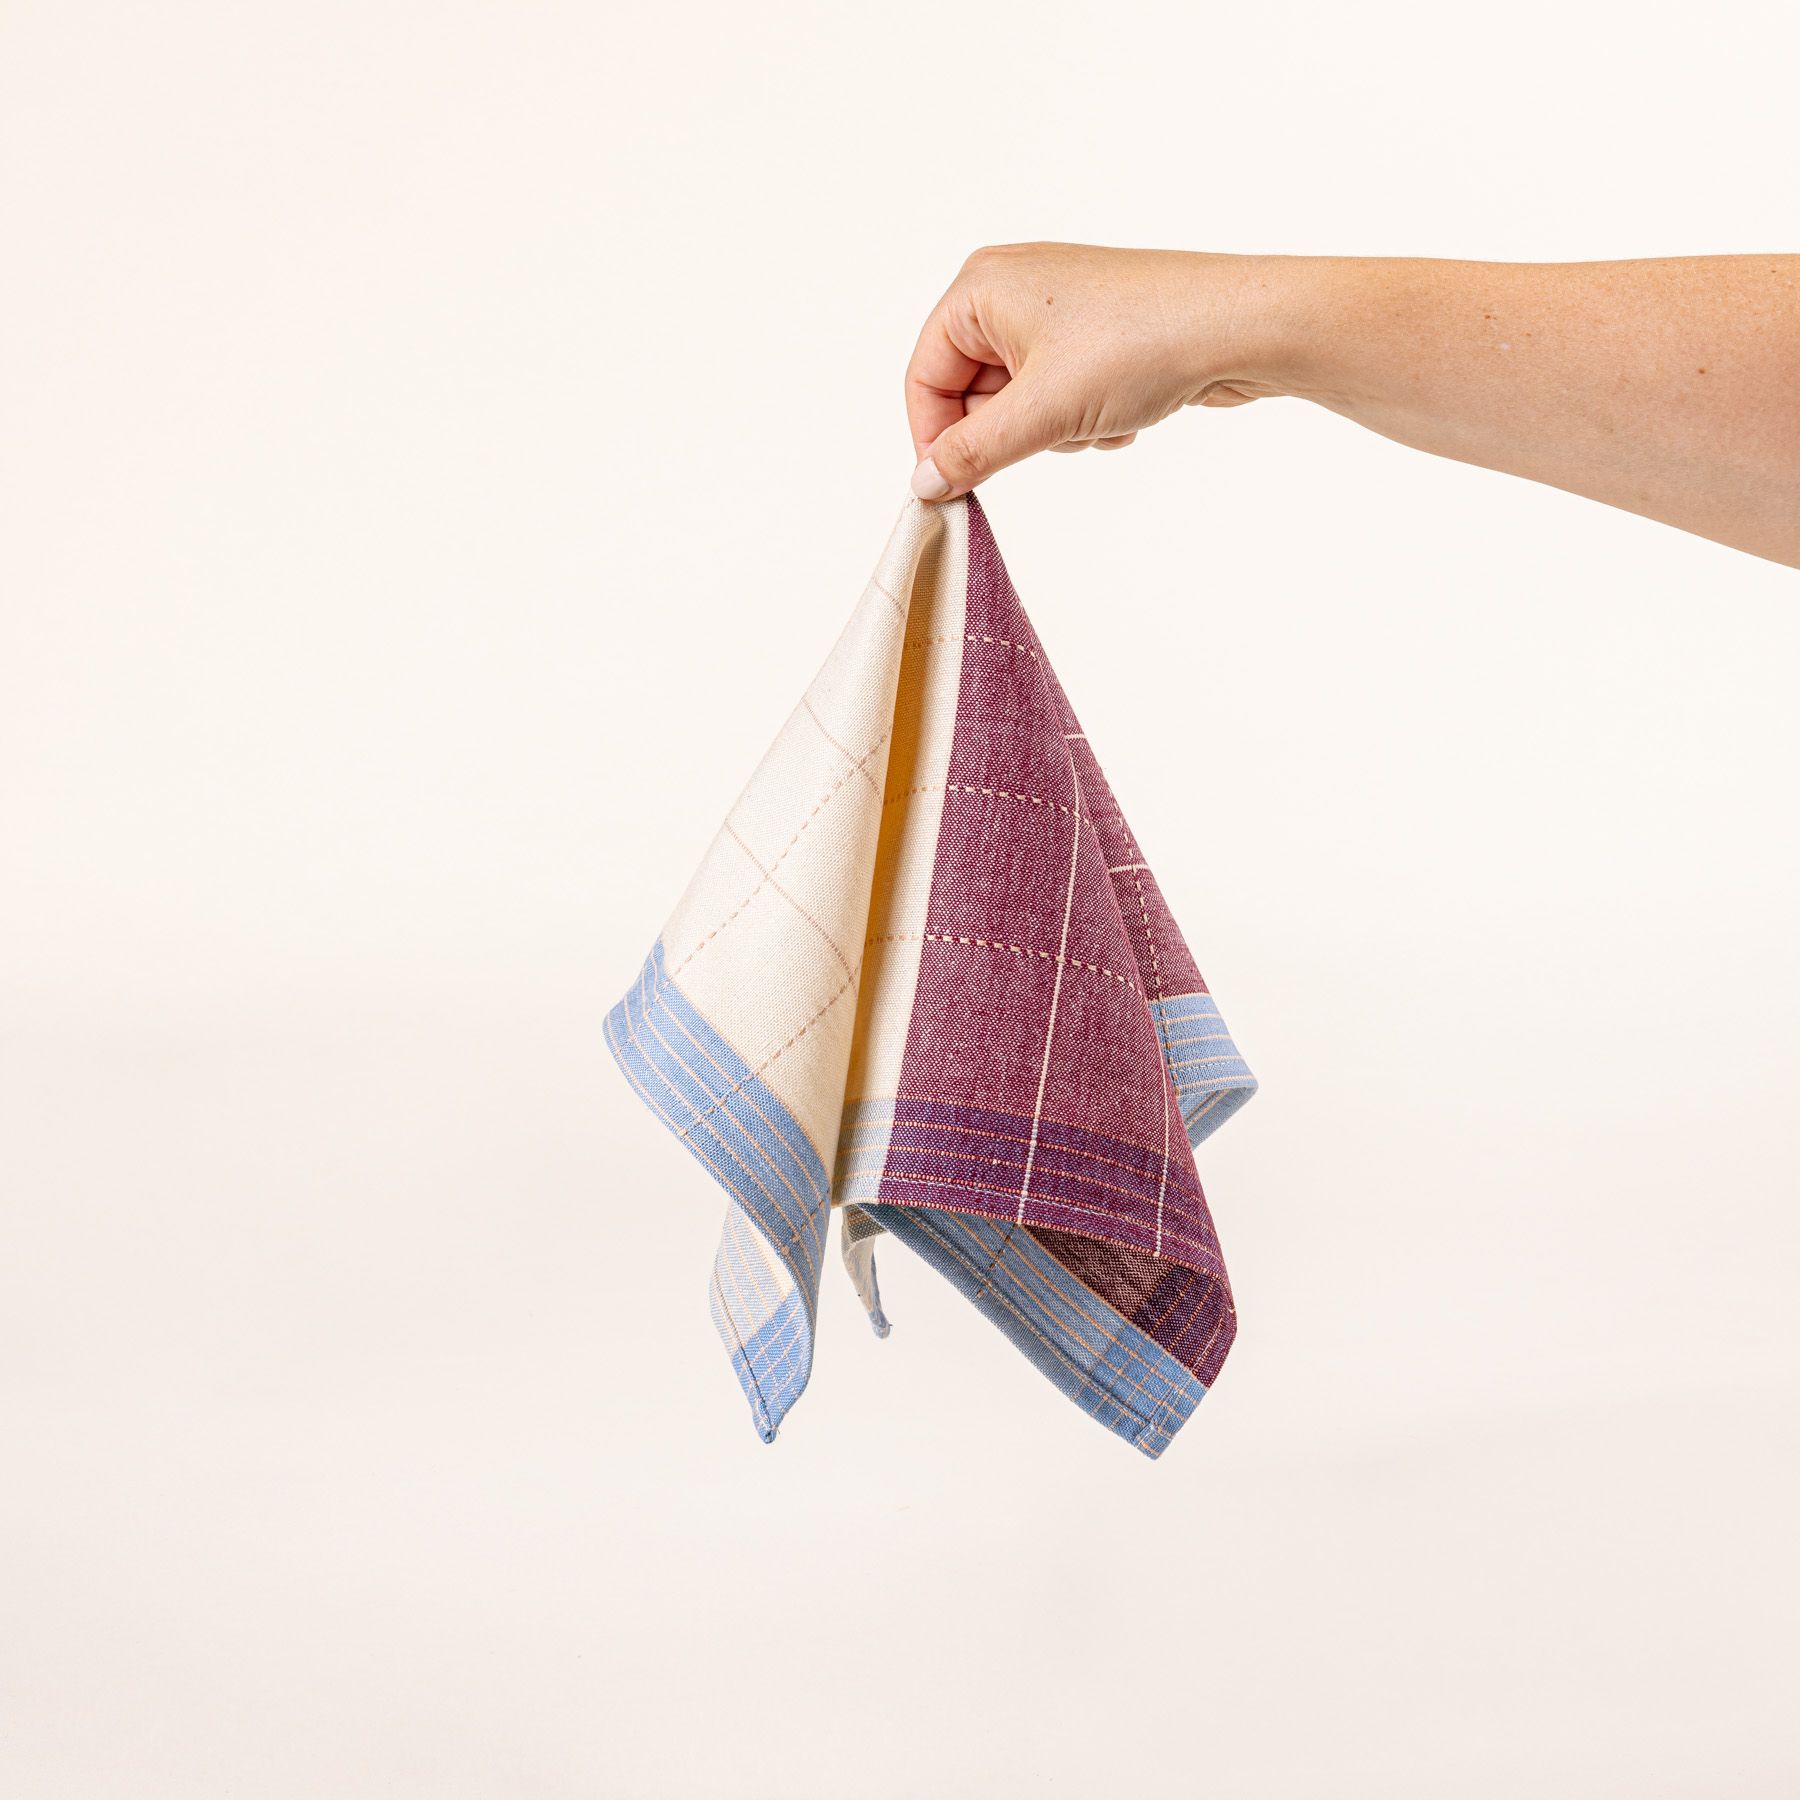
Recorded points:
(993,259)
(956,460)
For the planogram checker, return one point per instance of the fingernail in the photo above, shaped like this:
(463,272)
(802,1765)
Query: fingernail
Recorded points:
(927,483)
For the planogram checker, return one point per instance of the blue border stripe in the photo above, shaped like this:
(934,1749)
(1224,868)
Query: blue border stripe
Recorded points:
(1210,1076)
(733,1123)
(720,1105)
(773,1365)
(1109,1368)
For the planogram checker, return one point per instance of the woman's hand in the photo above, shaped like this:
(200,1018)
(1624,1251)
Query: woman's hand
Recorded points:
(1062,346)
(1668,387)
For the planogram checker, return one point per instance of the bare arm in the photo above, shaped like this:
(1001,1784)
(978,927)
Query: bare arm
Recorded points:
(1669,387)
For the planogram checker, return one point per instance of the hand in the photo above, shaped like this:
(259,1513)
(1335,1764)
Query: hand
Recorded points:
(1669,386)
(1063,346)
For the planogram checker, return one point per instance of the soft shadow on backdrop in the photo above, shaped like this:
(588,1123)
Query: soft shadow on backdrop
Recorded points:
(440,442)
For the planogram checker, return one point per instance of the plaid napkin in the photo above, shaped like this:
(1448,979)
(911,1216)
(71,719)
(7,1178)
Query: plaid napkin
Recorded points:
(925,977)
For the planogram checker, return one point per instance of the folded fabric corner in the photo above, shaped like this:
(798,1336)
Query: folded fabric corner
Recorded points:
(925,974)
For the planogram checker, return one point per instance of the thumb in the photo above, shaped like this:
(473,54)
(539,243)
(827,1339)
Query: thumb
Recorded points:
(1014,424)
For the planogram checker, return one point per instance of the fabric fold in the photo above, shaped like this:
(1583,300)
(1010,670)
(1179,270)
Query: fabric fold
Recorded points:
(925,975)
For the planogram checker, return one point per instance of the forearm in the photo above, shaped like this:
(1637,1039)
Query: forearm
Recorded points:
(1669,388)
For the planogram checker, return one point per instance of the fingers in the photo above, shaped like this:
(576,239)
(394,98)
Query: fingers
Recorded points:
(945,367)
(1012,424)
(985,387)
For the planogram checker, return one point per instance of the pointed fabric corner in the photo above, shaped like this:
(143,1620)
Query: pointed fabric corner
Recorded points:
(925,974)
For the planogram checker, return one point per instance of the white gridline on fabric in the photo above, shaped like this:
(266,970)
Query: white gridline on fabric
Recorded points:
(767,872)
(1081,814)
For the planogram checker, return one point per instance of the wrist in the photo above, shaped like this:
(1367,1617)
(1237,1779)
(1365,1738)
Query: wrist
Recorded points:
(1302,324)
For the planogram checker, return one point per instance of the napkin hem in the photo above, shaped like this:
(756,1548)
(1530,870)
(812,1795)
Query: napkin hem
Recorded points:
(1115,1373)
(1210,1078)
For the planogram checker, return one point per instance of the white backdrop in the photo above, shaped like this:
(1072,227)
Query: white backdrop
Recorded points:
(402,404)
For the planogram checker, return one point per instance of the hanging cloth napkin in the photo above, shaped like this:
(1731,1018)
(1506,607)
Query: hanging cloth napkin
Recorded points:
(923,975)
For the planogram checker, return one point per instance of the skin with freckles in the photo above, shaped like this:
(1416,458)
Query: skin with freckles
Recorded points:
(1669,387)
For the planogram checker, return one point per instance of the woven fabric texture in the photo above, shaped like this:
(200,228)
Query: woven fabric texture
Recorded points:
(925,977)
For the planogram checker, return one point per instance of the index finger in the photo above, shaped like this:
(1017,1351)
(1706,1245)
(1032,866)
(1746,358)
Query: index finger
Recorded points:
(940,373)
